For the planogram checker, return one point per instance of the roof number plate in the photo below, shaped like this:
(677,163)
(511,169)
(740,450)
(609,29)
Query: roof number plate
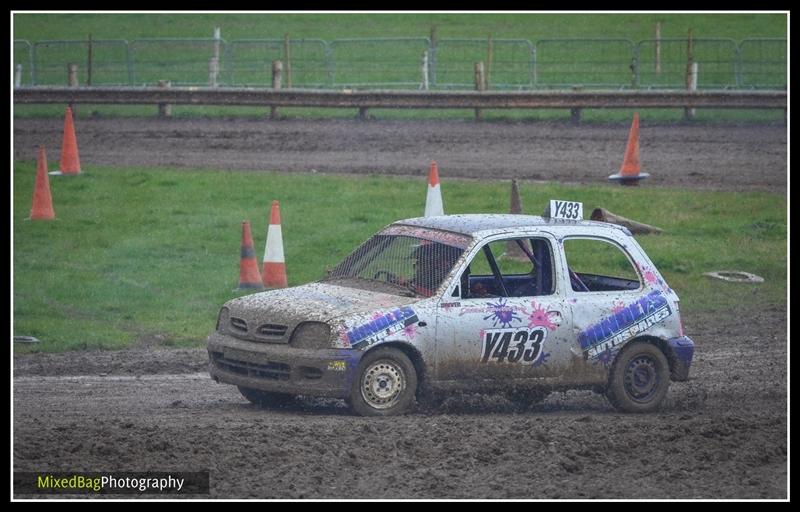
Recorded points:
(568,210)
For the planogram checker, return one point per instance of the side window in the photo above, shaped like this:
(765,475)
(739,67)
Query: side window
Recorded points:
(597,265)
(510,268)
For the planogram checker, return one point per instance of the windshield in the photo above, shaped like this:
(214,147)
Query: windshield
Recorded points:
(411,262)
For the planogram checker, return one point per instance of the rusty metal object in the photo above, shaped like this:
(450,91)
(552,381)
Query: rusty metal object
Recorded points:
(639,228)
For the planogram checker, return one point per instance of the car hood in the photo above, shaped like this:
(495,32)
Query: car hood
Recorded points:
(282,310)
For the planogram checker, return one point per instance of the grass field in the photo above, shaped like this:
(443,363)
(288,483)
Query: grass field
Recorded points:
(561,66)
(146,257)
(37,27)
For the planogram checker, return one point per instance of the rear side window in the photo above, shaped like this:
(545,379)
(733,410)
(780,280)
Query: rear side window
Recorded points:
(598,265)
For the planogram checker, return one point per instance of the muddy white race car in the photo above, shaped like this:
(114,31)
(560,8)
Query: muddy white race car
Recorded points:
(516,304)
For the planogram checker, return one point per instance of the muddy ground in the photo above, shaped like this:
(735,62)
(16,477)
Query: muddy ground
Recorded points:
(721,435)
(718,156)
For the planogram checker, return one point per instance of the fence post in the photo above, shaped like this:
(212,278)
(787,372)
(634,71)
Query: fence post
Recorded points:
(213,71)
(164,109)
(424,86)
(687,114)
(288,56)
(277,71)
(18,76)
(489,59)
(658,48)
(690,112)
(89,63)
(480,85)
(72,75)
(215,59)
(432,56)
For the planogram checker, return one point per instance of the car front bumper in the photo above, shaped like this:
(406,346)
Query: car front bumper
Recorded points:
(280,368)
(681,353)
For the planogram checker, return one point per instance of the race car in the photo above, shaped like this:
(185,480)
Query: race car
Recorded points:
(513,304)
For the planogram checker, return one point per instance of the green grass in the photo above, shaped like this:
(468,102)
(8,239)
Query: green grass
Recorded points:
(560,65)
(148,256)
(36,26)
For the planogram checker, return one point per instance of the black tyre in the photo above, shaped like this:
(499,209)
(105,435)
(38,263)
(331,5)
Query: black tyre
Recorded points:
(266,399)
(639,379)
(385,384)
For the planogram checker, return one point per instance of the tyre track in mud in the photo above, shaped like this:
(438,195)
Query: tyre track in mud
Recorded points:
(714,156)
(723,434)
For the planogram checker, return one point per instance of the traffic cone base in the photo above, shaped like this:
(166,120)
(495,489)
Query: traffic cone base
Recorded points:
(274,269)
(42,208)
(70,164)
(433,201)
(249,277)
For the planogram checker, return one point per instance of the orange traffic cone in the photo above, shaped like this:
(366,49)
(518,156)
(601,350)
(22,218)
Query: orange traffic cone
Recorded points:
(70,164)
(42,201)
(630,172)
(274,264)
(433,202)
(249,276)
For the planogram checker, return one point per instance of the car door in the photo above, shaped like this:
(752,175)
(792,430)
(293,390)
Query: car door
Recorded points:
(607,297)
(505,317)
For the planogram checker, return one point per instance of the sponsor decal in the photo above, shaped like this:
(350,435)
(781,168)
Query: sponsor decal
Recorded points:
(522,345)
(337,366)
(600,340)
(383,324)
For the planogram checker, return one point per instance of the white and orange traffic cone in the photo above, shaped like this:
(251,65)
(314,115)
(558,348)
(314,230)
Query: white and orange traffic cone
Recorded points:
(274,272)
(42,208)
(630,172)
(249,277)
(433,202)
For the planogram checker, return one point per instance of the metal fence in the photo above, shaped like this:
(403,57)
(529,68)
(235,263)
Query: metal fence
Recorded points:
(591,63)
(411,63)
(248,62)
(508,63)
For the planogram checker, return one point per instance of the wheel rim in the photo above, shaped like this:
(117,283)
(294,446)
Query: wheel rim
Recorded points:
(382,384)
(641,379)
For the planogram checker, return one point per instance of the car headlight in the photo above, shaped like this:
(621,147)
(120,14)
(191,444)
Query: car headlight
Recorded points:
(223,319)
(311,335)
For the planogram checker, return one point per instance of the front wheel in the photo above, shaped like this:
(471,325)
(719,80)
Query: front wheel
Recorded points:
(639,379)
(385,384)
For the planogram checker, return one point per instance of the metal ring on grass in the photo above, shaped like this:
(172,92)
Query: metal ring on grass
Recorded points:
(735,276)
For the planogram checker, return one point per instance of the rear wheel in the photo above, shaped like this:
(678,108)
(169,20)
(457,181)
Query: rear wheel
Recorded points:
(265,398)
(639,379)
(385,384)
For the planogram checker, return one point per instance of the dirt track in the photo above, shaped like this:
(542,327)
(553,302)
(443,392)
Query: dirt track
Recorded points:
(721,435)
(728,157)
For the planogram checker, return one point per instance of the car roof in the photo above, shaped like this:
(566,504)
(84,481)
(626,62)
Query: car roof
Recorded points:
(478,224)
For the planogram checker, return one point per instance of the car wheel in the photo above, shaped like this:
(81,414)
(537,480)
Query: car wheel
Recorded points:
(639,379)
(385,384)
(265,398)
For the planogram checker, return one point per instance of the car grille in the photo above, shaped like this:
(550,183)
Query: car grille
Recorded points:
(271,333)
(238,324)
(272,330)
(271,370)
